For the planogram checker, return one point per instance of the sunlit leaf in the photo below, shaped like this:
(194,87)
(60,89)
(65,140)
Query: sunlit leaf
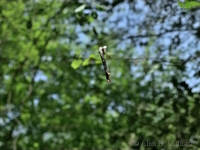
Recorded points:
(86,62)
(80,8)
(76,64)
(189,4)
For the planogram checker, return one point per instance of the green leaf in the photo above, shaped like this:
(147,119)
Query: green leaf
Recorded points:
(76,63)
(93,56)
(154,68)
(36,145)
(80,8)
(86,62)
(189,4)
(101,7)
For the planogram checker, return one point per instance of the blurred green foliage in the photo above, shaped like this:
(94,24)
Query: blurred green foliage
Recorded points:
(188,4)
(53,92)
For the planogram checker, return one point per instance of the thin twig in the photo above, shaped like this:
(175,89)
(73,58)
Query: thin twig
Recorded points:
(102,51)
(159,34)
